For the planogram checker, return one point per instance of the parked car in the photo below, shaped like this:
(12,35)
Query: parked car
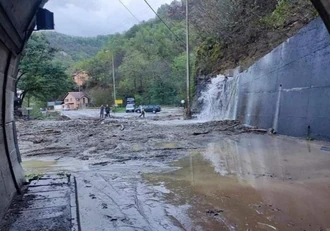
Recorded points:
(148,108)
(158,108)
(138,109)
(130,108)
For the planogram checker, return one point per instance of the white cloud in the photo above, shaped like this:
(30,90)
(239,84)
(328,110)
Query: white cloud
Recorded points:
(98,17)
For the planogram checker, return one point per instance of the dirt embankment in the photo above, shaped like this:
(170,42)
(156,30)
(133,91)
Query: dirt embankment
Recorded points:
(257,35)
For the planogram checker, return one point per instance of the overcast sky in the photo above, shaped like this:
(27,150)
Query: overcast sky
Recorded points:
(99,17)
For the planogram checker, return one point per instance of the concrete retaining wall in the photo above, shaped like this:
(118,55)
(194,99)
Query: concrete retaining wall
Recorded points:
(323,7)
(289,89)
(16,23)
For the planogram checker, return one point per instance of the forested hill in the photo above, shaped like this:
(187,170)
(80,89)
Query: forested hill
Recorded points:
(78,48)
(150,58)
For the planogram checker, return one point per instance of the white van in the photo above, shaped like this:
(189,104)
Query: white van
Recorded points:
(130,108)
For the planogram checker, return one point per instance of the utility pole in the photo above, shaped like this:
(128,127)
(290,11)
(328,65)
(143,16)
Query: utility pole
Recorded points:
(113,79)
(188,110)
(29,107)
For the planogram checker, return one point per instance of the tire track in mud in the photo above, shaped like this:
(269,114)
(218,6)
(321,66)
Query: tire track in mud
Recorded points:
(179,224)
(168,225)
(104,178)
(101,215)
(117,202)
(106,194)
(139,207)
(128,210)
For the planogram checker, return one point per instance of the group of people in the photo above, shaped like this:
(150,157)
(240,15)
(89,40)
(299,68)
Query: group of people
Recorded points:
(105,112)
(105,109)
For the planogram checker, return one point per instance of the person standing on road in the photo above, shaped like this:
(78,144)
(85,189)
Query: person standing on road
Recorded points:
(143,113)
(107,111)
(102,112)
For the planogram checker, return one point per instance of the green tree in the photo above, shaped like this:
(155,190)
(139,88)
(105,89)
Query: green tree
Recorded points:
(149,60)
(133,74)
(101,96)
(39,76)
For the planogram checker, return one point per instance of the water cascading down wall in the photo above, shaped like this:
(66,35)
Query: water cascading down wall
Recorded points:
(17,19)
(289,88)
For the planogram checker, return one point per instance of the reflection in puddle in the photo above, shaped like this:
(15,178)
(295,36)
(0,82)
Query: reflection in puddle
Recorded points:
(166,145)
(137,148)
(50,165)
(37,166)
(257,182)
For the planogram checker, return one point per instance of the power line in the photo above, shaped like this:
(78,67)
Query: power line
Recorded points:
(165,59)
(165,23)
(148,29)
(129,11)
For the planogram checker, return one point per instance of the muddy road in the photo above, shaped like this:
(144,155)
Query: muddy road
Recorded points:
(163,173)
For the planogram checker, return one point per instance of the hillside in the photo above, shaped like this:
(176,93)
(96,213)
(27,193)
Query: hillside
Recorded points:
(150,57)
(246,31)
(78,48)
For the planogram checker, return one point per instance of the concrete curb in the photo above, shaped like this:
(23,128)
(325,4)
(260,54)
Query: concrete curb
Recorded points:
(74,204)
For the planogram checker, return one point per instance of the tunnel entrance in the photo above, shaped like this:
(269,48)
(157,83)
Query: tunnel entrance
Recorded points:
(16,25)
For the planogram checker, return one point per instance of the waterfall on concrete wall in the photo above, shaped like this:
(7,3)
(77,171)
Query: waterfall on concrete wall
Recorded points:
(219,99)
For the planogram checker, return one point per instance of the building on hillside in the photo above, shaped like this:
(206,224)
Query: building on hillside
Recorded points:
(80,78)
(75,100)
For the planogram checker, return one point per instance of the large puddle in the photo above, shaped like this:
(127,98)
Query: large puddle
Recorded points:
(244,182)
(43,165)
(252,182)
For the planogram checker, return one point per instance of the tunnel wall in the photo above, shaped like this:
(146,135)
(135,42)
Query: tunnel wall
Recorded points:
(16,24)
(289,89)
(323,7)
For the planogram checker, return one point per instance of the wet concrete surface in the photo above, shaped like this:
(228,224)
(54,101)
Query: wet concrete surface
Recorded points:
(47,203)
(158,175)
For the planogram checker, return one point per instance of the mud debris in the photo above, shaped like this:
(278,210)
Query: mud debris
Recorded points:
(74,137)
(91,195)
(215,212)
(158,174)
(103,163)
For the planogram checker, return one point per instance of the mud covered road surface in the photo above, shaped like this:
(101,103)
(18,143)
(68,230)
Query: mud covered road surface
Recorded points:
(163,173)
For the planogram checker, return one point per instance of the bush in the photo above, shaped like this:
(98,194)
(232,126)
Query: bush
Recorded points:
(286,10)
